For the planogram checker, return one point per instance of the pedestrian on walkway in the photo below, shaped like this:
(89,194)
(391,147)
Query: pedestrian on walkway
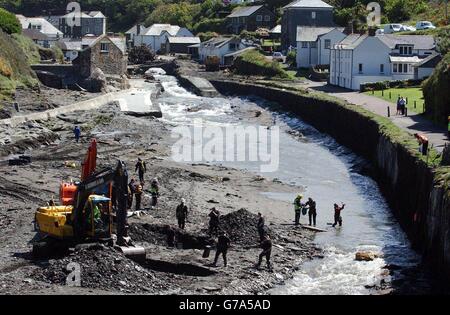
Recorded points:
(399,106)
(402,105)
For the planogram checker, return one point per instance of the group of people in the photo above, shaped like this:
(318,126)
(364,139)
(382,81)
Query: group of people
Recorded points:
(401,105)
(136,189)
(309,208)
(224,241)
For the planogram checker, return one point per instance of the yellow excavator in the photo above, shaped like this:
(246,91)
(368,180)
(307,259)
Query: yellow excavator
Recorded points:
(90,218)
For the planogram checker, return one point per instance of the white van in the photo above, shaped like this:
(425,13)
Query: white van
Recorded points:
(425,25)
(392,28)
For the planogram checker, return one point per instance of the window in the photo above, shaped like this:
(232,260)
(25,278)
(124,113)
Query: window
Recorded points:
(327,43)
(313,45)
(304,44)
(259,18)
(104,47)
(360,68)
(233,46)
(313,15)
(381,68)
(267,18)
(405,50)
(405,68)
(395,68)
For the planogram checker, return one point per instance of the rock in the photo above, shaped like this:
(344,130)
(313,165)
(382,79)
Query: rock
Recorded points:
(366,256)
(212,201)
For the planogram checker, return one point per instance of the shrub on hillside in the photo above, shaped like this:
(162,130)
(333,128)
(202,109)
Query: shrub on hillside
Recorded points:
(254,63)
(207,36)
(437,93)
(210,25)
(9,23)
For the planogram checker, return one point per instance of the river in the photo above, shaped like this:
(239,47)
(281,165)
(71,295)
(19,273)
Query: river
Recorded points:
(327,172)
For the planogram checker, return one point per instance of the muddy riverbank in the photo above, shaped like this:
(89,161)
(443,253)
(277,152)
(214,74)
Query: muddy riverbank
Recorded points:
(180,270)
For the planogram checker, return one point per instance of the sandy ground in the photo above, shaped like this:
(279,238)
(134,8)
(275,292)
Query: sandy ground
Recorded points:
(182,271)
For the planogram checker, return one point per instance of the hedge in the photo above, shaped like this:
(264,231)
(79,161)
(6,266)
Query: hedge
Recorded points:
(384,85)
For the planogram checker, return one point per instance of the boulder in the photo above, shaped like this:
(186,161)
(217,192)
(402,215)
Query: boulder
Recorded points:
(366,256)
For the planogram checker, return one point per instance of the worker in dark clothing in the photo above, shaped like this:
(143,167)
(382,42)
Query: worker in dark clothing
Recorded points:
(77,133)
(214,221)
(141,168)
(337,214)
(182,213)
(131,191)
(298,205)
(266,245)
(138,194)
(223,243)
(312,212)
(154,191)
(261,226)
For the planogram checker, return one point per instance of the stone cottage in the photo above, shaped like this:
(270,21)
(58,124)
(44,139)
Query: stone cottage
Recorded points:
(108,53)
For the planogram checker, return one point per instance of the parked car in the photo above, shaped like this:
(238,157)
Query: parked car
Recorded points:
(379,31)
(425,25)
(392,28)
(408,28)
(277,56)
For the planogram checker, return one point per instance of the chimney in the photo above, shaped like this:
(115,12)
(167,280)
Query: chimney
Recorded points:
(138,29)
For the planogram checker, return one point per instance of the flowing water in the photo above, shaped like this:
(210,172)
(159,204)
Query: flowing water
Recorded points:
(325,171)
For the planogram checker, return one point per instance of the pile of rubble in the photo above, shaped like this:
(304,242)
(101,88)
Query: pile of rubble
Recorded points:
(241,227)
(103,268)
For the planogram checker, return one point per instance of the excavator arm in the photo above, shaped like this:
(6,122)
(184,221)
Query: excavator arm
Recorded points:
(119,178)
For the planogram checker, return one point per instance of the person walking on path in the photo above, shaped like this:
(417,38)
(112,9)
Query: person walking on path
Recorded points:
(77,133)
(223,244)
(141,168)
(337,214)
(402,106)
(312,212)
(182,213)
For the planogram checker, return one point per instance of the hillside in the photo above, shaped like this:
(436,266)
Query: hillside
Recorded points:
(16,54)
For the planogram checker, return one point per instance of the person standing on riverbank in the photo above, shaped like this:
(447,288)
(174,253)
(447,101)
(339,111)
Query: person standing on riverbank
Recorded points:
(261,226)
(182,213)
(223,243)
(337,214)
(77,133)
(141,168)
(214,221)
(312,212)
(298,205)
(266,246)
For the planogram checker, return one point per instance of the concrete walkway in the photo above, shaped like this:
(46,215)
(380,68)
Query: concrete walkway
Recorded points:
(414,123)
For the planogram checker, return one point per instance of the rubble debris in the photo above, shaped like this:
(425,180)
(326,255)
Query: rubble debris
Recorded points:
(241,227)
(102,268)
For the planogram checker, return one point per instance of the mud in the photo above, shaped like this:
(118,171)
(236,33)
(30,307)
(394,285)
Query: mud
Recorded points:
(180,269)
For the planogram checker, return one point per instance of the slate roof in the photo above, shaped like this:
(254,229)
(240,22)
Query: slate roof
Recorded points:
(308,4)
(46,27)
(184,40)
(310,33)
(158,29)
(35,34)
(245,11)
(419,41)
(430,62)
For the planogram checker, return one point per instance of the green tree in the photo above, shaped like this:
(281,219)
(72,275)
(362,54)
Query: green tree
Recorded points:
(181,14)
(9,23)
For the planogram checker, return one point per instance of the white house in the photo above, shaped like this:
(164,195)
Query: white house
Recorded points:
(136,30)
(40,24)
(157,34)
(314,44)
(220,46)
(360,59)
